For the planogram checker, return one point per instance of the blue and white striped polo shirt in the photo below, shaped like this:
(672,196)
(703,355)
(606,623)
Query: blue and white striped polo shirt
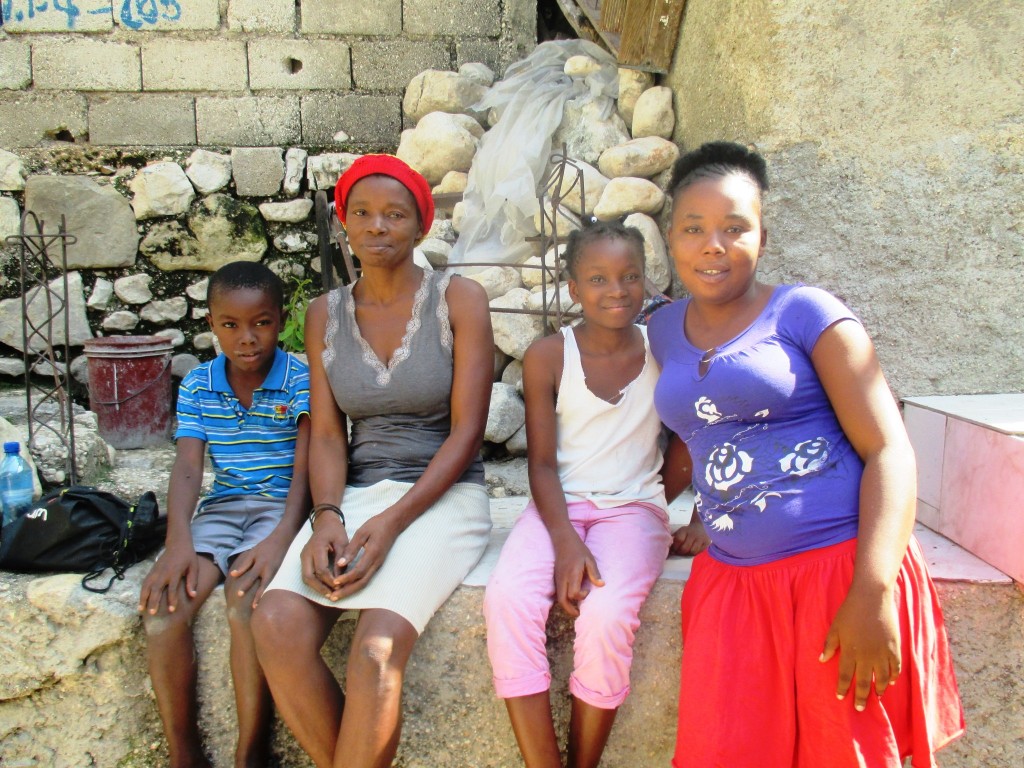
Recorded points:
(252,451)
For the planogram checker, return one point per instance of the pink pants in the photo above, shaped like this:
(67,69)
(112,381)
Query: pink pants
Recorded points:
(630,544)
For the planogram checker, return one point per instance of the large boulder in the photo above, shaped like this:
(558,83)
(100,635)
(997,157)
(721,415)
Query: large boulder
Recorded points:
(99,217)
(514,333)
(632,83)
(653,115)
(438,91)
(323,171)
(438,144)
(223,230)
(580,192)
(629,195)
(161,189)
(506,415)
(644,158)
(208,171)
(12,172)
(586,131)
(39,309)
(497,281)
(657,265)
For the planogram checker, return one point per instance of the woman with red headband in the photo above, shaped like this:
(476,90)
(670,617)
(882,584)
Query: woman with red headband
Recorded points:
(400,511)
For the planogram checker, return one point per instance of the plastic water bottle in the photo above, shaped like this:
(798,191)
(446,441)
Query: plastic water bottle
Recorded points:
(16,483)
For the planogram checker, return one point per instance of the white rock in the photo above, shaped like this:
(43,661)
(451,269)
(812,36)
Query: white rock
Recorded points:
(629,195)
(11,314)
(294,169)
(419,258)
(204,340)
(199,313)
(12,366)
(558,303)
(506,414)
(295,242)
(580,192)
(586,133)
(458,214)
(513,375)
(197,291)
(80,369)
(657,266)
(437,251)
(516,445)
(442,229)
(340,137)
(439,143)
(453,183)
(208,171)
(164,311)
(176,337)
(514,333)
(565,221)
(322,171)
(182,363)
(437,91)
(534,275)
(292,211)
(12,172)
(581,66)
(478,73)
(469,124)
(644,158)
(161,189)
(497,281)
(122,320)
(133,289)
(632,82)
(653,114)
(10,218)
(257,171)
(102,293)
(285,269)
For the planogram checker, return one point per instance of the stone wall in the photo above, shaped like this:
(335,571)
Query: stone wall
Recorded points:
(235,72)
(895,137)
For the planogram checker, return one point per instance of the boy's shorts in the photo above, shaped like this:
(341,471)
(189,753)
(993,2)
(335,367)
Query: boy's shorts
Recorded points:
(230,526)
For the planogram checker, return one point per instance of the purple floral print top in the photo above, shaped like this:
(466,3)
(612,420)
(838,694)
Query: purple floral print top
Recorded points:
(773,472)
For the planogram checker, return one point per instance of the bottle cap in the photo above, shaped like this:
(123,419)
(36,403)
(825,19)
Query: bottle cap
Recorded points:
(12,447)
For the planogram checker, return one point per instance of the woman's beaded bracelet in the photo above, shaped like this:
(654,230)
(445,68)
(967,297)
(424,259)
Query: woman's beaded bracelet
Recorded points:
(318,508)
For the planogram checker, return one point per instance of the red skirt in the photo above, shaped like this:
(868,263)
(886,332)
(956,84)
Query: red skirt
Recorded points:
(754,695)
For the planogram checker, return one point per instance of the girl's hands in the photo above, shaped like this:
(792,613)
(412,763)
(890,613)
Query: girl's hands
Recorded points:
(321,562)
(574,565)
(866,633)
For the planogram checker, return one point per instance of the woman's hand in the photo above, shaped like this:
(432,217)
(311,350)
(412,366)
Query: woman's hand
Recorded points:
(321,564)
(178,566)
(375,538)
(690,539)
(259,565)
(574,565)
(866,633)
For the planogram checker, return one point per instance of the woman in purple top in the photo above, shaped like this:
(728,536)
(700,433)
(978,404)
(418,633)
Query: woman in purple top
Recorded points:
(812,632)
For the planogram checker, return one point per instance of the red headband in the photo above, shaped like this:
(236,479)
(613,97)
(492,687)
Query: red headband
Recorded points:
(386,165)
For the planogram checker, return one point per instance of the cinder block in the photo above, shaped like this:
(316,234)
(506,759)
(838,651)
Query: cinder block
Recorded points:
(261,15)
(483,51)
(352,17)
(389,65)
(15,65)
(452,17)
(373,121)
(193,65)
(257,171)
(248,121)
(27,120)
(143,120)
(308,65)
(168,15)
(85,65)
(80,16)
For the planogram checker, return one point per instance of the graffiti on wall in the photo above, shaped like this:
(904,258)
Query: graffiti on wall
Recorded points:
(133,14)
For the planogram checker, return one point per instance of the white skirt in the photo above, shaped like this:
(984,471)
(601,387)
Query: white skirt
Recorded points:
(428,560)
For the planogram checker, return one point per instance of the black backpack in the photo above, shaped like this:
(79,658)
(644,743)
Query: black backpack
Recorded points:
(83,530)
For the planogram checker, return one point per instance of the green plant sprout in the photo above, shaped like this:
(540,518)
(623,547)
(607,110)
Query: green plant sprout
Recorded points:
(293,338)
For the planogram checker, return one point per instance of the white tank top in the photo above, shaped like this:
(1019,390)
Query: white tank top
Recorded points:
(608,453)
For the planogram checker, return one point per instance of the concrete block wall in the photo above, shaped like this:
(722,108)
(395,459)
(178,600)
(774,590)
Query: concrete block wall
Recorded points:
(230,72)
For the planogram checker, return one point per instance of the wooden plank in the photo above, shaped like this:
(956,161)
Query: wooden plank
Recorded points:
(649,33)
(613,14)
(580,21)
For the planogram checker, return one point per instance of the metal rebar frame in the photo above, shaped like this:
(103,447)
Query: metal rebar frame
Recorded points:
(44,310)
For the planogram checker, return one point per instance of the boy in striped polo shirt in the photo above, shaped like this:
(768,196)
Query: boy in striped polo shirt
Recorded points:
(250,407)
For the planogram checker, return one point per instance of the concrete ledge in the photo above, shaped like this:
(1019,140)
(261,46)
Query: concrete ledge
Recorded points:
(74,689)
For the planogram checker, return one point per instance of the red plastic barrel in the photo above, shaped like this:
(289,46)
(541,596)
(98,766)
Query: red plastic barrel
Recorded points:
(130,388)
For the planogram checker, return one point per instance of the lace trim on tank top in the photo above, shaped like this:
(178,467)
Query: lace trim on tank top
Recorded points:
(369,356)
(328,354)
(447,339)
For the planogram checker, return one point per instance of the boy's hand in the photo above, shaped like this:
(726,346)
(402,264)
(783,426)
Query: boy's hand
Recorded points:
(574,565)
(258,565)
(178,563)
(320,570)
(866,633)
(689,540)
(375,538)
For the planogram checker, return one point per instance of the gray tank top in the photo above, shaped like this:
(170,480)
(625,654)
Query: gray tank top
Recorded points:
(400,413)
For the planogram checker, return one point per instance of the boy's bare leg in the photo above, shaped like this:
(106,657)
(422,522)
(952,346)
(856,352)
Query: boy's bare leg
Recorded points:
(589,729)
(534,730)
(289,631)
(372,724)
(173,669)
(252,696)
